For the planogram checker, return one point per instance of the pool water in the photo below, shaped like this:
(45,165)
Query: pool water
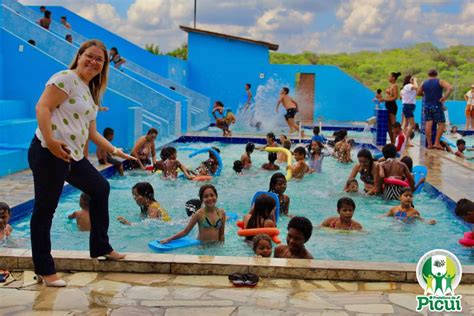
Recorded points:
(383,238)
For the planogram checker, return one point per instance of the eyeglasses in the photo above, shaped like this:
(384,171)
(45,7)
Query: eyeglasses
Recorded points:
(98,60)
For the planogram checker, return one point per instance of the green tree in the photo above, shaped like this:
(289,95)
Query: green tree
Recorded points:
(180,52)
(153,48)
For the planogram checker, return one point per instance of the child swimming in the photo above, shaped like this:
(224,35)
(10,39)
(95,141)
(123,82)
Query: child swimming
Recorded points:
(393,168)
(368,170)
(245,158)
(405,211)
(5,214)
(82,217)
(270,165)
(316,137)
(260,215)
(171,164)
(271,142)
(465,210)
(209,167)
(300,168)
(316,156)
(345,208)
(262,246)
(237,167)
(144,195)
(352,186)
(461,145)
(342,150)
(409,163)
(278,186)
(210,218)
(104,156)
(299,232)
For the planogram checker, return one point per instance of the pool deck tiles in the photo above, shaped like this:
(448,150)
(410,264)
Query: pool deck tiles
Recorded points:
(168,294)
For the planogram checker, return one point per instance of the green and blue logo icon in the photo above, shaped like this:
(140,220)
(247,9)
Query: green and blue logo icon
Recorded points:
(439,272)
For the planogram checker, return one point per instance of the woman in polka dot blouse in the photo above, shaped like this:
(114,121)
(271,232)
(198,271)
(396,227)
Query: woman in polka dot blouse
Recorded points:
(66,113)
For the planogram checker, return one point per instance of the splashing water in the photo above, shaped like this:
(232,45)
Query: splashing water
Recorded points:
(262,110)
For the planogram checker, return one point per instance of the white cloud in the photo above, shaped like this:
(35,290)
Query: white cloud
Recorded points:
(356,24)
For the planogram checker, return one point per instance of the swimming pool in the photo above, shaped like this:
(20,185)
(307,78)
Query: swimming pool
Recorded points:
(384,239)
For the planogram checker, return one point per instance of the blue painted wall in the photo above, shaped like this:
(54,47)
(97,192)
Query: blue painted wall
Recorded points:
(28,71)
(219,68)
(156,63)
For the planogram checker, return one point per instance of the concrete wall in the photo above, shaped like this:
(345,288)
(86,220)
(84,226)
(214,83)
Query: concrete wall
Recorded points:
(219,68)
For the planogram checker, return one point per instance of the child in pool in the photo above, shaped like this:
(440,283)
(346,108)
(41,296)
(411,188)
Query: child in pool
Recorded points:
(465,210)
(454,133)
(238,167)
(271,142)
(144,195)
(260,214)
(345,207)
(281,156)
(461,145)
(262,246)
(316,156)
(316,137)
(245,158)
(352,186)
(5,214)
(163,156)
(270,165)
(393,168)
(278,186)
(299,232)
(342,150)
(82,217)
(401,140)
(171,165)
(283,138)
(409,163)
(105,157)
(405,211)
(210,218)
(300,168)
(209,167)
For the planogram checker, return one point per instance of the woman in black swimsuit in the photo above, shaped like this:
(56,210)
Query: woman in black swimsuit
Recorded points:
(368,172)
(391,104)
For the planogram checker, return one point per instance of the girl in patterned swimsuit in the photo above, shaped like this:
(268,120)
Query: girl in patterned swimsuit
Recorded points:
(405,211)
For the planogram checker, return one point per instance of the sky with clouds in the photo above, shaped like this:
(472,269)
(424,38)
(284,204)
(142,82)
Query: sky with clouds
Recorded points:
(321,26)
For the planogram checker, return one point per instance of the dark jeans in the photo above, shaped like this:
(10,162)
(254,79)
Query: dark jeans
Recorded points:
(49,174)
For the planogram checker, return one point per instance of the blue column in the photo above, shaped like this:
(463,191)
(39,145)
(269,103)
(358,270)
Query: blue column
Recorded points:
(381,127)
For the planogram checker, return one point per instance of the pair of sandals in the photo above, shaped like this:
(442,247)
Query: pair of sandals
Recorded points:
(4,274)
(244,279)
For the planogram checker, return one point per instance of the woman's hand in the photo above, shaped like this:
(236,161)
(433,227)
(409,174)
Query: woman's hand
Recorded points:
(123,155)
(59,149)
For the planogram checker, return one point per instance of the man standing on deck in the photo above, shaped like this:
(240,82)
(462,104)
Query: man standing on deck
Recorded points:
(291,109)
(433,108)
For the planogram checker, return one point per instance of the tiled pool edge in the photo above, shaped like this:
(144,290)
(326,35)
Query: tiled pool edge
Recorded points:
(20,259)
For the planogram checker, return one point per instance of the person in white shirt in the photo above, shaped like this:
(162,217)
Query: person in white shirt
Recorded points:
(66,113)
(408,95)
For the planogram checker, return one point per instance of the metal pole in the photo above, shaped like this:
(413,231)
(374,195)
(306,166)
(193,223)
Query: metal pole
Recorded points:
(195,13)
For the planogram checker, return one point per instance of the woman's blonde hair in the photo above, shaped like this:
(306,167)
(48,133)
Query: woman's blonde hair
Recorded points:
(98,84)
